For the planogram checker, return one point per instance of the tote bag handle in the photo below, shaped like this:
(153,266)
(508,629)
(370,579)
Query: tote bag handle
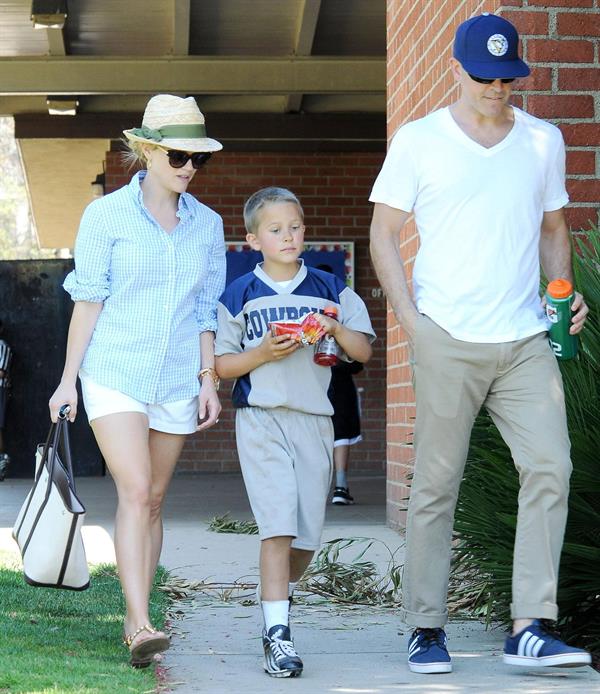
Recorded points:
(58,431)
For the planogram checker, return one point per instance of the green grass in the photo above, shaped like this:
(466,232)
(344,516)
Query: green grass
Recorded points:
(59,641)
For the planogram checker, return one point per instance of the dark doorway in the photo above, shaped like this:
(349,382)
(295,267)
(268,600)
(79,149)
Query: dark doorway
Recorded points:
(35,311)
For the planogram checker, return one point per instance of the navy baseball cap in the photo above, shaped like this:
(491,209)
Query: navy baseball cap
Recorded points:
(487,46)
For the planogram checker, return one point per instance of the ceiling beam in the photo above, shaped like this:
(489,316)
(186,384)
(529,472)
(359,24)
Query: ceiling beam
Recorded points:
(193,74)
(241,132)
(305,35)
(307,26)
(181,27)
(56,42)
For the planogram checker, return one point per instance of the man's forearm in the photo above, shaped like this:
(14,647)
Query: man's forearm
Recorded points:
(389,268)
(555,253)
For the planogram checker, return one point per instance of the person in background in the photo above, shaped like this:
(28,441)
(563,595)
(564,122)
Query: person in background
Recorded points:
(5,360)
(346,425)
(486,183)
(149,269)
(346,420)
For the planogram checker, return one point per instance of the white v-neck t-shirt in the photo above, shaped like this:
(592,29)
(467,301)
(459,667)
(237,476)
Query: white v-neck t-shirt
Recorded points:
(478,212)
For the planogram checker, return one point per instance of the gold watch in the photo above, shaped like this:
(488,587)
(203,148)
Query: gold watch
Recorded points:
(212,373)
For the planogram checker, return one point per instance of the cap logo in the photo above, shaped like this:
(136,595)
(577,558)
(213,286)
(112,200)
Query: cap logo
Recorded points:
(497,45)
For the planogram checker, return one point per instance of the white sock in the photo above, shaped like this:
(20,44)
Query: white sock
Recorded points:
(275,612)
(341,479)
(292,587)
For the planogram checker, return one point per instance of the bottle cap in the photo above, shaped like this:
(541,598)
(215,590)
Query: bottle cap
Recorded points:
(559,289)
(330,311)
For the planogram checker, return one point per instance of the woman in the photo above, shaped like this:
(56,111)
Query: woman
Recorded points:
(149,268)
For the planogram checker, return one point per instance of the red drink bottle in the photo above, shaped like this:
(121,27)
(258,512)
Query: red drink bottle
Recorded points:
(327,350)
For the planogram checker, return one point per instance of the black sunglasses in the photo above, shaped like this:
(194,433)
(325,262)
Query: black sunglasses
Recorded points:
(485,80)
(178,158)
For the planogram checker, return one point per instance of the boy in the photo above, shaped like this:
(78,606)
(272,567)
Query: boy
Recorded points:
(283,422)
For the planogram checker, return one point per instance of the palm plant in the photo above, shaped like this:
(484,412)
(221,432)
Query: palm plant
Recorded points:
(486,512)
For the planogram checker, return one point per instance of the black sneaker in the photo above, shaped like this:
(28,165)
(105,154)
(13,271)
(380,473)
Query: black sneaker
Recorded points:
(281,659)
(341,497)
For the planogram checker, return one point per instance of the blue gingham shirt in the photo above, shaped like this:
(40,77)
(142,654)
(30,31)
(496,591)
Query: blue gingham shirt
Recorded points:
(159,292)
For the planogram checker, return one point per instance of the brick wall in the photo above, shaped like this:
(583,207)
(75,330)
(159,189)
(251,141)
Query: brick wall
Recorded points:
(334,190)
(561,43)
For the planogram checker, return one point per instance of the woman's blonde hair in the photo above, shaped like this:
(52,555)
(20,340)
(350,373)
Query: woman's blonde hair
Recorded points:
(134,156)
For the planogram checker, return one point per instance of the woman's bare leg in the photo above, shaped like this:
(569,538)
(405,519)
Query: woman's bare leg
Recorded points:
(165,450)
(123,439)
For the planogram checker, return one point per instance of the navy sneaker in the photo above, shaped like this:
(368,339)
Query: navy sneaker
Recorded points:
(427,652)
(537,646)
(281,659)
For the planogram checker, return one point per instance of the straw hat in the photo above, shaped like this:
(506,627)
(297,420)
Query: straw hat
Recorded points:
(175,123)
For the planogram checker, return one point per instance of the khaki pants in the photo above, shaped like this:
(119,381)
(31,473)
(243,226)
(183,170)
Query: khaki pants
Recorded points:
(519,384)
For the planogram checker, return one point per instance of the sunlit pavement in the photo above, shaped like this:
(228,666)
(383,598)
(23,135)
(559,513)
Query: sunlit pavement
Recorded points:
(346,650)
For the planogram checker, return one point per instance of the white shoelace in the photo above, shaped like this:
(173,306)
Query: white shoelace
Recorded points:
(283,649)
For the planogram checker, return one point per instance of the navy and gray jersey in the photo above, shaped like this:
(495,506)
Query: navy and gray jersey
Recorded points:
(254,300)
(5,359)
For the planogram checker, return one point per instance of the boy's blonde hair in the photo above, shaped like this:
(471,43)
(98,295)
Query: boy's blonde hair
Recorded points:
(262,197)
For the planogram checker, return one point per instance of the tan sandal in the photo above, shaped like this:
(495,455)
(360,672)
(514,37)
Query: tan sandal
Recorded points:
(142,654)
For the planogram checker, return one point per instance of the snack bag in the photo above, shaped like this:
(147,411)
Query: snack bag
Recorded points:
(306,330)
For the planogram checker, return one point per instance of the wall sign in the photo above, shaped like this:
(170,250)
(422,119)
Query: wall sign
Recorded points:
(339,256)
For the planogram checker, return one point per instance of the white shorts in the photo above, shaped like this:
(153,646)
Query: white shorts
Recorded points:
(179,417)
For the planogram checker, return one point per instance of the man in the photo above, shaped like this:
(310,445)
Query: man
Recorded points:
(5,358)
(486,183)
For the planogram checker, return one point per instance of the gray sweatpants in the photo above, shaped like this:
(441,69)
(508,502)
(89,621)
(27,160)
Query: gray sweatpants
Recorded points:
(520,385)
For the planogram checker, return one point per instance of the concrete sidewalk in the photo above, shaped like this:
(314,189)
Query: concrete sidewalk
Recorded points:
(215,643)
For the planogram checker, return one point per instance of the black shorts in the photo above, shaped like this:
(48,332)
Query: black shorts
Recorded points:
(344,398)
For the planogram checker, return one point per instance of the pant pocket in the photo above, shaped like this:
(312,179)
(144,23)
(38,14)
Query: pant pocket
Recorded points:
(413,348)
(439,372)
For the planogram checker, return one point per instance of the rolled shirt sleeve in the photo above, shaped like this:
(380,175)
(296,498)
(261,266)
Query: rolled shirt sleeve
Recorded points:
(90,280)
(206,301)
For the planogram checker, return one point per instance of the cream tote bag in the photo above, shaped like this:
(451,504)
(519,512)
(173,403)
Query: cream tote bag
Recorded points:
(48,527)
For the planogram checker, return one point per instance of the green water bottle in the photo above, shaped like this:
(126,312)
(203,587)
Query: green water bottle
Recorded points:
(559,297)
